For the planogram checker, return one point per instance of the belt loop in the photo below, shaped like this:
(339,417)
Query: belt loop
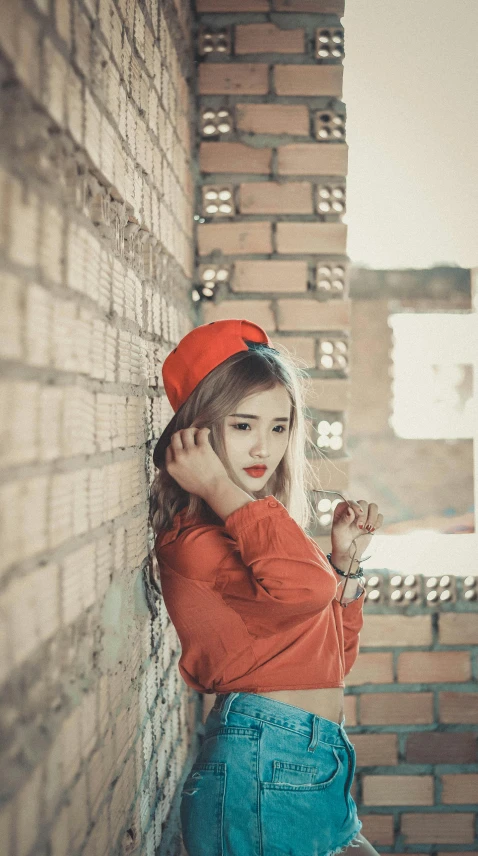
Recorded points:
(344,733)
(218,702)
(225,707)
(315,734)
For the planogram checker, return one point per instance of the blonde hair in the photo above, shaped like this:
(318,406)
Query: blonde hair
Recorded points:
(217,395)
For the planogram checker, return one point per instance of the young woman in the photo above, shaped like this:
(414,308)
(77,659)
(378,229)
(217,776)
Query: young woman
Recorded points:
(265,620)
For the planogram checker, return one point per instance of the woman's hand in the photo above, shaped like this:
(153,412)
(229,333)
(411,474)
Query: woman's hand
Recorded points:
(192,462)
(350,520)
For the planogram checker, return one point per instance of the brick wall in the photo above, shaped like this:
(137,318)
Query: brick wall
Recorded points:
(271,244)
(412,713)
(95,261)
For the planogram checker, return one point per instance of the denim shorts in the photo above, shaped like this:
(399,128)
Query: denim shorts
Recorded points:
(270,779)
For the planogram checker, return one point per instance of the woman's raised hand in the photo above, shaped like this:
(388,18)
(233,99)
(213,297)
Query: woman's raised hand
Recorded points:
(350,520)
(192,462)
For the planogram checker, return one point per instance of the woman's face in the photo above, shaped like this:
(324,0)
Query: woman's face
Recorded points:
(257,434)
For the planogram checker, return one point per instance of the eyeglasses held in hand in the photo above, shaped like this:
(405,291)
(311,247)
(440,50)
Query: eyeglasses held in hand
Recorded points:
(348,589)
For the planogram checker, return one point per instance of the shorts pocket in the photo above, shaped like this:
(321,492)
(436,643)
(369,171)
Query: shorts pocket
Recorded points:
(295,774)
(309,777)
(202,809)
(231,731)
(305,812)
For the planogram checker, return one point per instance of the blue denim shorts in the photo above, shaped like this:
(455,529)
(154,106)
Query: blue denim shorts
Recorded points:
(270,779)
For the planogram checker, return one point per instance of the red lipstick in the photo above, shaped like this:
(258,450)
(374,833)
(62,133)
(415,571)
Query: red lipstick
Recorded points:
(255,472)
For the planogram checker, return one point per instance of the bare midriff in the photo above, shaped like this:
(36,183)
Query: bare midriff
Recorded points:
(328,702)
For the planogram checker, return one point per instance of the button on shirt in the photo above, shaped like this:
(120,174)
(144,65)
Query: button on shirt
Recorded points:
(253,603)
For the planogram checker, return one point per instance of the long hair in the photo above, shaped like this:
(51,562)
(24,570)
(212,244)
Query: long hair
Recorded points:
(217,395)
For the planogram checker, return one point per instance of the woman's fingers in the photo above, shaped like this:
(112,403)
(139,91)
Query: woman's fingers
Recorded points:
(371,522)
(202,438)
(176,441)
(183,439)
(367,516)
(187,438)
(360,509)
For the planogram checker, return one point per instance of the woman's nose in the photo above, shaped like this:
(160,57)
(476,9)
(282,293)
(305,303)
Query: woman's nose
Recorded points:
(261,448)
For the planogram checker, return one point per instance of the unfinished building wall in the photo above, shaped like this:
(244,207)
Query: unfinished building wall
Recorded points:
(96,259)
(412,479)
(96,205)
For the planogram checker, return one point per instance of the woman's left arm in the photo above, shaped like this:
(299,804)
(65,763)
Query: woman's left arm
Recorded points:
(351,520)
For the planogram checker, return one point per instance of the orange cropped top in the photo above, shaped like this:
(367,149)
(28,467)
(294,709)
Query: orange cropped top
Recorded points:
(254,603)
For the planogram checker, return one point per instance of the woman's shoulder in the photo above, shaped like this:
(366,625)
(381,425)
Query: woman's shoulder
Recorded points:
(194,547)
(185,524)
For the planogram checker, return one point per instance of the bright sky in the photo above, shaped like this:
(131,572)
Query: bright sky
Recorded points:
(410,86)
(432,393)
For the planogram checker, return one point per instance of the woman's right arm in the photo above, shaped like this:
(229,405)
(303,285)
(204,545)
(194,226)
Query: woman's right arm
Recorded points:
(224,497)
(262,564)
(283,578)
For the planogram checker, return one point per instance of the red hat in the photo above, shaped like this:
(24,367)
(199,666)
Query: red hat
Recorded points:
(202,350)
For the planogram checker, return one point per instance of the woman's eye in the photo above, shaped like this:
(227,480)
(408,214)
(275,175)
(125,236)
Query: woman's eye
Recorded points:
(239,425)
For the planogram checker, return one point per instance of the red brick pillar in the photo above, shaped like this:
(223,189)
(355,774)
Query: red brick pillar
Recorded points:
(271,194)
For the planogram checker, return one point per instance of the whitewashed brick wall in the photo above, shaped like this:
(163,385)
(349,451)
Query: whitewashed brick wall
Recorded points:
(96,258)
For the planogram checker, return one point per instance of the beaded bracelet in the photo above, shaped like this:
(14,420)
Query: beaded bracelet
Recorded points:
(359,573)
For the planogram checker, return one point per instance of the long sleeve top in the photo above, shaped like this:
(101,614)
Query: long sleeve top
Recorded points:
(254,603)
